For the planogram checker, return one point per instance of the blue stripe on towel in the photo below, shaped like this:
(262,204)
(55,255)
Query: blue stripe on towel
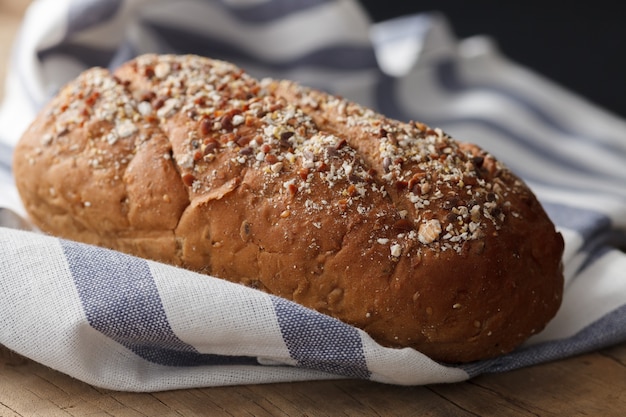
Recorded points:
(449,77)
(336,57)
(447,73)
(121,300)
(319,342)
(83,14)
(180,41)
(268,11)
(89,56)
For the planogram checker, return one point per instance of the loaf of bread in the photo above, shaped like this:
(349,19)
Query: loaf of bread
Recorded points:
(392,227)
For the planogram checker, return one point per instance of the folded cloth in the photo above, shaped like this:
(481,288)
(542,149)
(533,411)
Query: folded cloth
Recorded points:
(126,323)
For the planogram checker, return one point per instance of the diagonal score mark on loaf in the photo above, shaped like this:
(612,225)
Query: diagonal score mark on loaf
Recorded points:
(392,227)
(101,171)
(250,155)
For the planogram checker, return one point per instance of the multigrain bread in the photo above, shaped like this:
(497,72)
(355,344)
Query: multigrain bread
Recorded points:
(392,227)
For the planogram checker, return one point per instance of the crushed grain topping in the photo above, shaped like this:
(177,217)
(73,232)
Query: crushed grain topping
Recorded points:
(439,188)
(439,176)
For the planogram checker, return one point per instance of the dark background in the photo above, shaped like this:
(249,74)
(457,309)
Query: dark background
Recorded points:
(580,45)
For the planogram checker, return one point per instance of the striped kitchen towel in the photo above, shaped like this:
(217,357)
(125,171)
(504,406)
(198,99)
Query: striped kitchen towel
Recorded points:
(126,323)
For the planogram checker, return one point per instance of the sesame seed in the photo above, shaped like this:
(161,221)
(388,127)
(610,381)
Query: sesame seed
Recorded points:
(238,119)
(145,108)
(429,231)
(396,250)
(126,128)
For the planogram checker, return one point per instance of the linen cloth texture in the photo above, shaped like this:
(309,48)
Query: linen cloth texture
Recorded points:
(125,323)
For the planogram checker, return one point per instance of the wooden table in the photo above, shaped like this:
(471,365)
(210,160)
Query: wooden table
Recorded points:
(592,385)
(11,12)
(587,385)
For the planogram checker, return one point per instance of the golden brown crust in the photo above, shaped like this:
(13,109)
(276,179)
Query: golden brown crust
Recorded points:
(392,227)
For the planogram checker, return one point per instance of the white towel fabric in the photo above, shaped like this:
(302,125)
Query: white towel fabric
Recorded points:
(130,324)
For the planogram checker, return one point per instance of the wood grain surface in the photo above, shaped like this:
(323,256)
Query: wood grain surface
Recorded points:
(588,385)
(11,12)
